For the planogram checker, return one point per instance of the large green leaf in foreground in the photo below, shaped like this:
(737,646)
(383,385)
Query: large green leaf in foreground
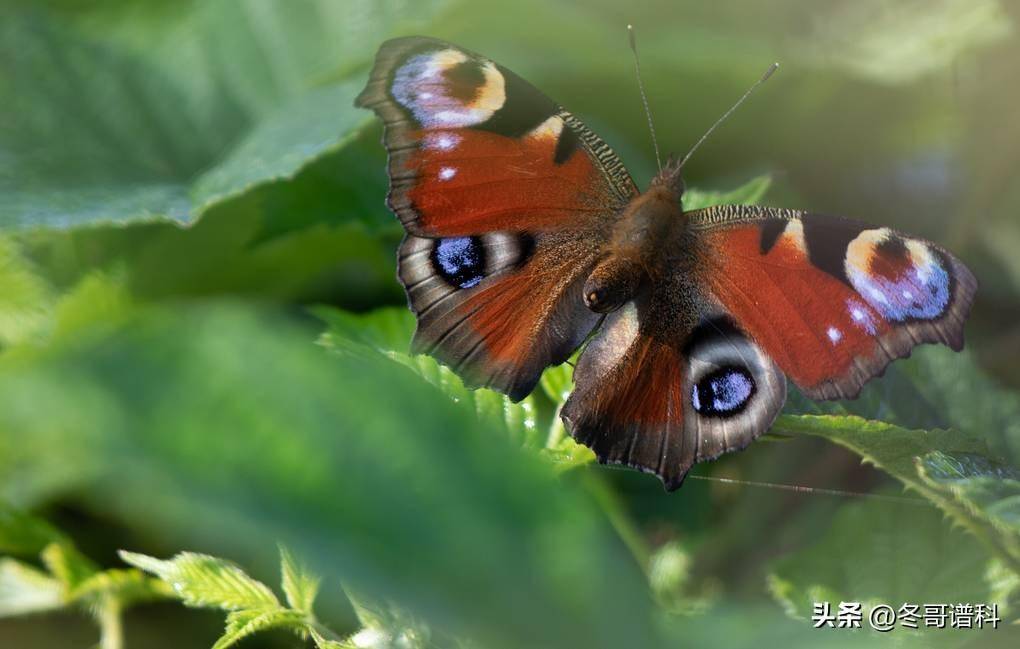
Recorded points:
(226,428)
(124,115)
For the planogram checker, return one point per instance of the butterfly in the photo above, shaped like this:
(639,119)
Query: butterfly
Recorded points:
(526,238)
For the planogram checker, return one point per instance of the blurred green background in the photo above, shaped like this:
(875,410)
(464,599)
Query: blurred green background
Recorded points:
(203,338)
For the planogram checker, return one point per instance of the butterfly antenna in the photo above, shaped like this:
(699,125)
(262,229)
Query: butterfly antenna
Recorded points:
(644,98)
(764,78)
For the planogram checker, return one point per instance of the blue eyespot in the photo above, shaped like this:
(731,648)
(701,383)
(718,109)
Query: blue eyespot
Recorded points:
(459,260)
(723,393)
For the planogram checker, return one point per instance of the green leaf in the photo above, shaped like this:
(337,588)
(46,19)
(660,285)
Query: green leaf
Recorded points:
(987,488)
(299,586)
(126,587)
(389,330)
(118,115)
(750,193)
(202,580)
(955,386)
(24,534)
(558,382)
(244,623)
(565,453)
(25,297)
(325,640)
(67,564)
(226,426)
(887,446)
(935,388)
(883,552)
(97,301)
(24,589)
(899,452)
(318,122)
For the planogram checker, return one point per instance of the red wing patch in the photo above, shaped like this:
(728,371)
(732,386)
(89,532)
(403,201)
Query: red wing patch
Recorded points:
(465,182)
(832,301)
(628,403)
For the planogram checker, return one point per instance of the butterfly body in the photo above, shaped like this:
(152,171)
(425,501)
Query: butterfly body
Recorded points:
(526,237)
(645,234)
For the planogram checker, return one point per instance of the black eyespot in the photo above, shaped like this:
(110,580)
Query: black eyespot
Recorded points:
(724,392)
(459,260)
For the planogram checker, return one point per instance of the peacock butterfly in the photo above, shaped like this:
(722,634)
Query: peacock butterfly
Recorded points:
(525,234)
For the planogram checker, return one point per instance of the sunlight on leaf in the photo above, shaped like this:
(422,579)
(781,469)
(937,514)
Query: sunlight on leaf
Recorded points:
(244,623)
(202,580)
(24,589)
(299,586)
(209,582)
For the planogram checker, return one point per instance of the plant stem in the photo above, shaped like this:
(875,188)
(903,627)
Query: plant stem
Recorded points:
(556,430)
(111,628)
(620,520)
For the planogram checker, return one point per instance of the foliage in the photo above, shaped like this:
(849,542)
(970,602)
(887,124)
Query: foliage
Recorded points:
(66,578)
(204,581)
(204,351)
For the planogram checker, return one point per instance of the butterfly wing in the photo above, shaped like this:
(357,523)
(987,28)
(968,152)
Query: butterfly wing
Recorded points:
(669,380)
(694,367)
(833,301)
(507,200)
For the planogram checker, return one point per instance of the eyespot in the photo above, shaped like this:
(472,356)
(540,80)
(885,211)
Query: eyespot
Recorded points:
(459,260)
(902,279)
(448,89)
(723,392)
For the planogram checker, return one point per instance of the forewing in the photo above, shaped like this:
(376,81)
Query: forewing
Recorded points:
(833,301)
(507,200)
(474,148)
